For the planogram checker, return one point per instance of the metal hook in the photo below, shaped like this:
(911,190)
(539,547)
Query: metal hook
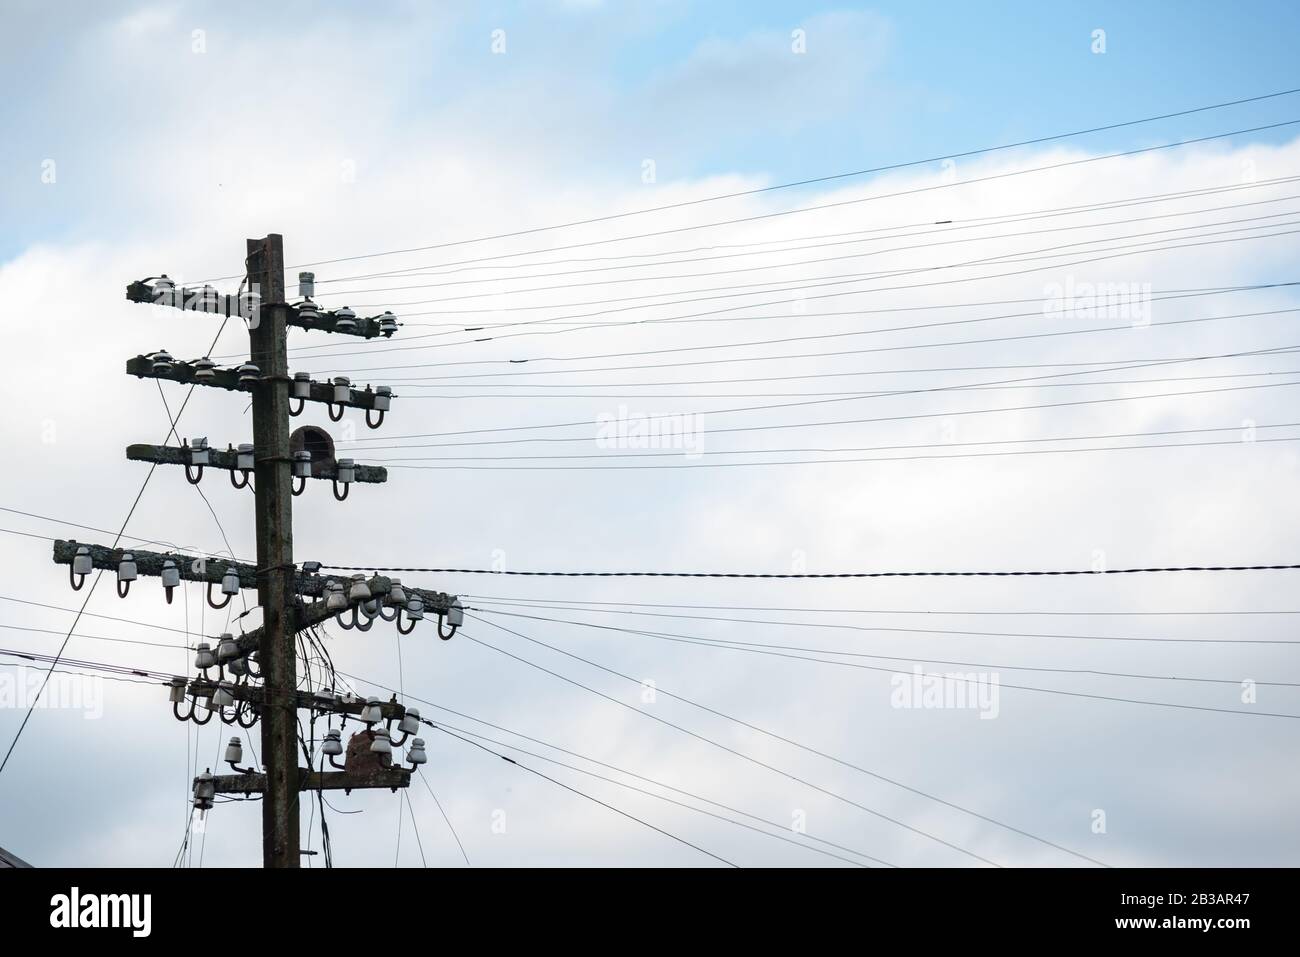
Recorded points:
(409,628)
(245,473)
(190,476)
(121,592)
(346,487)
(343,622)
(211,603)
(302,485)
(396,742)
(448,635)
(369,622)
(330,409)
(302,404)
(393,617)
(169,589)
(75,580)
(377,423)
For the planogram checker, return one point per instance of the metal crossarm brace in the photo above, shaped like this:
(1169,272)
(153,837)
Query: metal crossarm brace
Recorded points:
(228,379)
(226,459)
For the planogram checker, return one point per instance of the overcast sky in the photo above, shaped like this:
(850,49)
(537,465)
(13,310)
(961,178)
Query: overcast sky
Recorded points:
(144,138)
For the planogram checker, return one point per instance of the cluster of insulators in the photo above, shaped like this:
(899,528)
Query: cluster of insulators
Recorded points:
(378,400)
(128,571)
(345,473)
(383,739)
(199,299)
(218,696)
(405,610)
(199,454)
(345,320)
(204,370)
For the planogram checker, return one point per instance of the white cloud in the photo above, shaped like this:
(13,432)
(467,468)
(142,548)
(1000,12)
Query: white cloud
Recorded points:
(211,170)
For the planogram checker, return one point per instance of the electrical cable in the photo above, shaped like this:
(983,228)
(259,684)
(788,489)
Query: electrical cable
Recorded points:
(450,826)
(600,777)
(589,797)
(805,262)
(912,327)
(829,575)
(36,699)
(467,265)
(695,435)
(399,463)
(697,797)
(880,611)
(884,628)
(1059,165)
(894,671)
(876,448)
(728,749)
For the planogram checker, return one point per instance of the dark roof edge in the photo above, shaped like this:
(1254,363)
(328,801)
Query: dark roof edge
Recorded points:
(10,860)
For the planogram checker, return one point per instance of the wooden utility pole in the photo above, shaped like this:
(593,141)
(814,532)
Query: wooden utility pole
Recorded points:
(291,599)
(268,342)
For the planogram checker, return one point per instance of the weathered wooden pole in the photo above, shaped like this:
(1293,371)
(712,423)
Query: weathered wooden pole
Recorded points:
(274,493)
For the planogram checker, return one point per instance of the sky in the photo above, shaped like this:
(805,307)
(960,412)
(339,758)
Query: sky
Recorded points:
(773,325)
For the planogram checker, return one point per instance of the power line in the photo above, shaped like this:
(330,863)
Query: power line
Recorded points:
(538,229)
(629,816)
(812,262)
(89,614)
(852,279)
(823,610)
(842,450)
(681,804)
(777,650)
(807,355)
(89,528)
(828,575)
(785,340)
(86,601)
(443,812)
(841,393)
(891,629)
(603,764)
(723,747)
(466,265)
(964,679)
(869,420)
(678,416)
(1059,364)
(79,634)
(797,744)
(399,463)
